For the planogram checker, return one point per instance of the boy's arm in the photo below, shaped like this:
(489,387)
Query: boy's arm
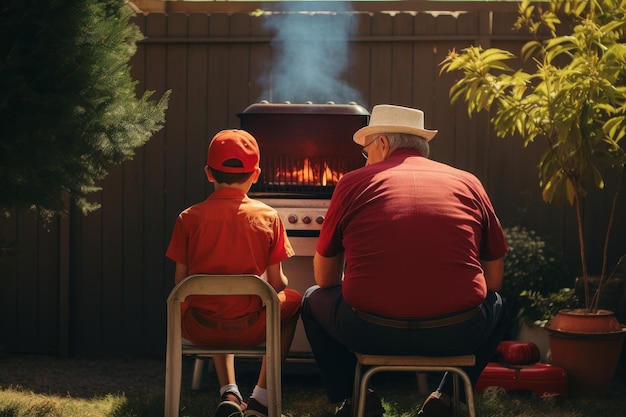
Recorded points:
(275,277)
(180,273)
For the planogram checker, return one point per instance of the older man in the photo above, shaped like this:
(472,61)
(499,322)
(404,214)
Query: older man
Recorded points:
(408,262)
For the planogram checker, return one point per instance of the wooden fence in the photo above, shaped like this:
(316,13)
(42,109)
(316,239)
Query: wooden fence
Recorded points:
(96,285)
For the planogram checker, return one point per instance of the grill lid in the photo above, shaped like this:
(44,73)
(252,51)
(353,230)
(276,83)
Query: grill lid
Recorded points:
(265,107)
(305,148)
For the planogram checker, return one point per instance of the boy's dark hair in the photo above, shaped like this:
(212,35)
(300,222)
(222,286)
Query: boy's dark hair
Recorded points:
(230,177)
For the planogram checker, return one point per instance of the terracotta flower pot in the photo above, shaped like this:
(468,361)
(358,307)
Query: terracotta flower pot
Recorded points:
(588,347)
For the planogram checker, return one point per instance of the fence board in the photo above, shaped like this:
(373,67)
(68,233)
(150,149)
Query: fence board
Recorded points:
(114,310)
(424,75)
(132,262)
(218,76)
(238,64)
(260,56)
(86,310)
(47,291)
(132,225)
(359,73)
(9,274)
(381,55)
(197,110)
(402,70)
(27,283)
(154,286)
(26,321)
(177,127)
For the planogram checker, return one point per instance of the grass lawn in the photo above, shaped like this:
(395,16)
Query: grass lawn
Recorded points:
(43,386)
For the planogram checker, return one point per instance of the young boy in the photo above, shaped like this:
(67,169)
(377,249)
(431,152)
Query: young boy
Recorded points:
(230,233)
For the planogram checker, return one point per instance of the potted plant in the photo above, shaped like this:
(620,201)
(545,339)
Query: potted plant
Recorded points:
(574,101)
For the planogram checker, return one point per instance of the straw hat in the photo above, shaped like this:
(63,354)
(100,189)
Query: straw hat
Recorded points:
(387,118)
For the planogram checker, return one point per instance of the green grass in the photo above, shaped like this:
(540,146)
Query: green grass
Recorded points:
(303,396)
(298,401)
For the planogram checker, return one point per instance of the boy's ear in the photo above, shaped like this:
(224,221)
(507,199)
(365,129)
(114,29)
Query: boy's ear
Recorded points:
(255,176)
(209,174)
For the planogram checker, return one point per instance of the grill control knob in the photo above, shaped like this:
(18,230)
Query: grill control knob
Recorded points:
(319,219)
(306,219)
(292,218)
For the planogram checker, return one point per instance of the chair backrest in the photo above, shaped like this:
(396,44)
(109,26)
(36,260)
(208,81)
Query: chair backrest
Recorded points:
(246,284)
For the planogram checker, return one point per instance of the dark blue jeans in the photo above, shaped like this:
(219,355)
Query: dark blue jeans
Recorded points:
(335,332)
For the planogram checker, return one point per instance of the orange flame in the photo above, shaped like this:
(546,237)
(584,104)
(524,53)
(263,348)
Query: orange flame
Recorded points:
(309,174)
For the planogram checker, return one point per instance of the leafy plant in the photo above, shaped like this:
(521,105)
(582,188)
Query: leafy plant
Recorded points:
(538,309)
(574,100)
(532,265)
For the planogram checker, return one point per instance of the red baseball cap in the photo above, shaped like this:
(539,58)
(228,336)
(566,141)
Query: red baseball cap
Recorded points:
(233,144)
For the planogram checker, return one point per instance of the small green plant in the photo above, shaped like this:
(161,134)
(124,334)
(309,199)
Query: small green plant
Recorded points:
(537,309)
(532,265)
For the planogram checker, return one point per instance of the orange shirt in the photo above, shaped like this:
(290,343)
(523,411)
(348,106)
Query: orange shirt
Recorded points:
(228,233)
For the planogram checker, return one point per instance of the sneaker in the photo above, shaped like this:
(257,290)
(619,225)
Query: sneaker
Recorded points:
(373,406)
(231,406)
(255,409)
(435,407)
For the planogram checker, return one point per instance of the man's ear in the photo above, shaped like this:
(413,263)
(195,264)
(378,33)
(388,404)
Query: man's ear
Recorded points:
(384,146)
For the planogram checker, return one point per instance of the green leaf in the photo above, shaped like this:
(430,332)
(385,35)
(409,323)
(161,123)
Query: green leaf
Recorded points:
(615,127)
(529,49)
(493,56)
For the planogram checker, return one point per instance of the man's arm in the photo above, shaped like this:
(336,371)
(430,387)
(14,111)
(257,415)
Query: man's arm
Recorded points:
(328,272)
(494,273)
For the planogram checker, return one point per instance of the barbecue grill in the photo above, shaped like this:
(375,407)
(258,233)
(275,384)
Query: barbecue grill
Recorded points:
(305,150)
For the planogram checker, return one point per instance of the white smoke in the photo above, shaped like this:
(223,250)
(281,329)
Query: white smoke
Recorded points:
(311,53)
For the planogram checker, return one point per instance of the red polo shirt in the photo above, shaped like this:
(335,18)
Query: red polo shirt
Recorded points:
(414,232)
(228,233)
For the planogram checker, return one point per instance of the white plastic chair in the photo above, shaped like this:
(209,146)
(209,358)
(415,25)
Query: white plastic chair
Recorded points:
(222,285)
